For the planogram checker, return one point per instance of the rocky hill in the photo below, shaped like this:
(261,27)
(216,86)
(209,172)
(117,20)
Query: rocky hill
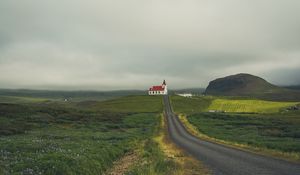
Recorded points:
(249,85)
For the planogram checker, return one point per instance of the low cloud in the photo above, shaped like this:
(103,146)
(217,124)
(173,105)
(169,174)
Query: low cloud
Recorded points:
(102,45)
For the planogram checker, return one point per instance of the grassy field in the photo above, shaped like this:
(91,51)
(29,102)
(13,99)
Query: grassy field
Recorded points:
(49,137)
(268,131)
(190,105)
(255,106)
(128,104)
(261,125)
(17,99)
(236,105)
(74,96)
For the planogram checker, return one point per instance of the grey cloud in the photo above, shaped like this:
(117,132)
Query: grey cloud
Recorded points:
(75,44)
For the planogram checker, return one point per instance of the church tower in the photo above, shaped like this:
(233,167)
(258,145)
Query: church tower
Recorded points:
(165,87)
(159,90)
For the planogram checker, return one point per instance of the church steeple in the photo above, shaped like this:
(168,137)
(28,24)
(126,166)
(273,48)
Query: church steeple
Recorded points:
(159,90)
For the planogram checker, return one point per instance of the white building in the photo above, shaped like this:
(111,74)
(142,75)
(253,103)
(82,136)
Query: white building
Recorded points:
(186,95)
(159,90)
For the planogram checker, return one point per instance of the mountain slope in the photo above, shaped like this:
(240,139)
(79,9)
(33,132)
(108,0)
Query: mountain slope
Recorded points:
(250,85)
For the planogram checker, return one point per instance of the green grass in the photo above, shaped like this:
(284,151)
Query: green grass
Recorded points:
(258,130)
(130,104)
(206,103)
(153,161)
(76,138)
(49,136)
(190,105)
(260,124)
(18,99)
(255,106)
(74,96)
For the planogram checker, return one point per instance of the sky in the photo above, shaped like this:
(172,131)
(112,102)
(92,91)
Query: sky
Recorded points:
(133,44)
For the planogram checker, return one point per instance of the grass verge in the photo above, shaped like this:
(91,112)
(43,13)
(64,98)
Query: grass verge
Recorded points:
(196,130)
(160,156)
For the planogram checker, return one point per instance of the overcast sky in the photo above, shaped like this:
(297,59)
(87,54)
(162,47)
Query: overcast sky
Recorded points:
(132,44)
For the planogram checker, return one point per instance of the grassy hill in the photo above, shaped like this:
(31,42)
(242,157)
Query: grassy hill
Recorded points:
(250,86)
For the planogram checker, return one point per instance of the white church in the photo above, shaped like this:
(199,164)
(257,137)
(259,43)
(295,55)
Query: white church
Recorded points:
(159,90)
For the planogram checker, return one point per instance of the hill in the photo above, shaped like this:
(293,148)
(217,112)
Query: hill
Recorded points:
(251,86)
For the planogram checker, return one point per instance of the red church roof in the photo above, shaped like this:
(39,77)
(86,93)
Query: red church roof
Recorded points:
(157,88)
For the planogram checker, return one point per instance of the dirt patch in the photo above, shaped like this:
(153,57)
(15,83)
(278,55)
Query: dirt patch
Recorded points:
(122,165)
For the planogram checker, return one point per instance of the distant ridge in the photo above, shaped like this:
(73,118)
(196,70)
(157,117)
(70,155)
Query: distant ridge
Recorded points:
(188,90)
(252,86)
(75,95)
(295,87)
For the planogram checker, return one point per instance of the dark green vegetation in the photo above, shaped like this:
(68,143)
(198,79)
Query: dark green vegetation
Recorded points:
(267,131)
(250,86)
(295,87)
(7,95)
(50,137)
(258,123)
